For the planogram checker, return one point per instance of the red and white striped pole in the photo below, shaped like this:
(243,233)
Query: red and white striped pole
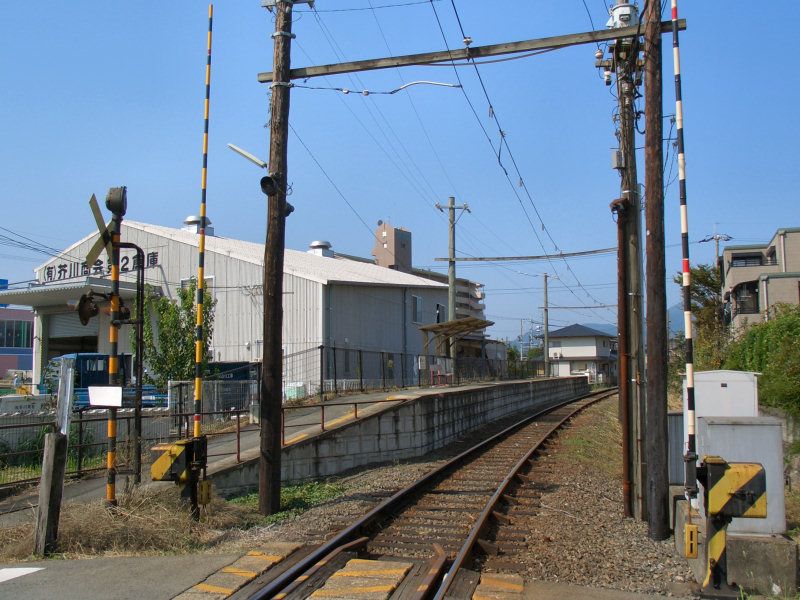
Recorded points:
(690,458)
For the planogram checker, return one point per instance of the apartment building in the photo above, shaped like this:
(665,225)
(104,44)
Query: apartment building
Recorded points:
(756,277)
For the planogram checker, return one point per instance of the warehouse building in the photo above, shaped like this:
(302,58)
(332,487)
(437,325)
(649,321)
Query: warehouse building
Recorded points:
(328,300)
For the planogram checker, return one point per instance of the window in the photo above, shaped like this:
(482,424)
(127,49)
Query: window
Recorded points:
(555,344)
(209,281)
(441,313)
(416,309)
(16,334)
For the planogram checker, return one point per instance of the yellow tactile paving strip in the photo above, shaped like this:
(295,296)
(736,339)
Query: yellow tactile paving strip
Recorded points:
(496,586)
(227,580)
(364,580)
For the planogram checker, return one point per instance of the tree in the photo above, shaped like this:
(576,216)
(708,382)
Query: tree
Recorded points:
(169,351)
(711,336)
(535,353)
(512,354)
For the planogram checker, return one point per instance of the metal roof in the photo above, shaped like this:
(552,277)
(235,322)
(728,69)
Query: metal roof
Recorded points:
(577,330)
(317,268)
(457,327)
(56,294)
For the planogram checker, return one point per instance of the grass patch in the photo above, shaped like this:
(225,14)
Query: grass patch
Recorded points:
(295,499)
(597,441)
(792,498)
(146,521)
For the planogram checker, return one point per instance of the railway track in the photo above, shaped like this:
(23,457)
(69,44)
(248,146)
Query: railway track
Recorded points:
(420,542)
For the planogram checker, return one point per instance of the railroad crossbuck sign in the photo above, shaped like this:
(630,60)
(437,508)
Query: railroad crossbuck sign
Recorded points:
(104,241)
(732,490)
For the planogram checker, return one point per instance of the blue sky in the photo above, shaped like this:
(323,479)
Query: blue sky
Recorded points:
(100,94)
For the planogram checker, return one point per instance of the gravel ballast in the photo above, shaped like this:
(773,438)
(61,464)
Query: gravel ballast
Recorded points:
(579,536)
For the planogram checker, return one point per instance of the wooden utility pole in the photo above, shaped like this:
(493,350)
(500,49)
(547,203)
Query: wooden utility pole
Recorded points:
(657,488)
(451,268)
(269,468)
(625,61)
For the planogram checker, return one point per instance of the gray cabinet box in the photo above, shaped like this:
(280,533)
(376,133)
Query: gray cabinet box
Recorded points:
(748,439)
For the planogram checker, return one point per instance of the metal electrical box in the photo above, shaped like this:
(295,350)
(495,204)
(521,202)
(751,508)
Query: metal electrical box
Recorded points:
(748,440)
(721,394)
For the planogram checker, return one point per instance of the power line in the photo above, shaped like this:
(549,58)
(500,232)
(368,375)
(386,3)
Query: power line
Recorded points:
(328,177)
(370,7)
(504,142)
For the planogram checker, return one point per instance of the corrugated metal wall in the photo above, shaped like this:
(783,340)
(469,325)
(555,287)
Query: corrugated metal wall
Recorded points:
(369,317)
(675,448)
(373,318)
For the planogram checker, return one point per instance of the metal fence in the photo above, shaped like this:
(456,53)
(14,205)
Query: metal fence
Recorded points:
(321,373)
(333,371)
(22,439)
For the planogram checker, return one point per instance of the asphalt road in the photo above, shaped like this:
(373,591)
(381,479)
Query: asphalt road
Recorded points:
(118,577)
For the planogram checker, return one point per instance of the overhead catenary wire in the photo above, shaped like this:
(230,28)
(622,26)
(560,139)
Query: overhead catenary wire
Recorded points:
(404,171)
(498,153)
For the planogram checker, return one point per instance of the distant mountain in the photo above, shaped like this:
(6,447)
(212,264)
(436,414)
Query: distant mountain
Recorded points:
(675,319)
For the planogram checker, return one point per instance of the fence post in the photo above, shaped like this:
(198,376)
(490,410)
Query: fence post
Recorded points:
(383,371)
(360,370)
(238,436)
(322,417)
(419,371)
(335,383)
(283,426)
(128,439)
(322,373)
(51,489)
(402,370)
(80,442)
(355,411)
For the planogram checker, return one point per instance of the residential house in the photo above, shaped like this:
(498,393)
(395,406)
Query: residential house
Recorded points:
(756,277)
(580,350)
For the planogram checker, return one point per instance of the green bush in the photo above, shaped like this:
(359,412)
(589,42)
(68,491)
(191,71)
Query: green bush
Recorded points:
(771,348)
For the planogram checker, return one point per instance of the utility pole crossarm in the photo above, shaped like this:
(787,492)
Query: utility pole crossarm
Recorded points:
(427,58)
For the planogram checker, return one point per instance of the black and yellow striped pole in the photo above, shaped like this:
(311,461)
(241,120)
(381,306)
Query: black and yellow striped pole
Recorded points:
(198,336)
(198,456)
(116,202)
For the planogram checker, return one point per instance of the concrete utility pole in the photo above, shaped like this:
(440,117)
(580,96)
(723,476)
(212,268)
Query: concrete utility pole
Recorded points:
(717,237)
(657,488)
(451,268)
(269,470)
(546,332)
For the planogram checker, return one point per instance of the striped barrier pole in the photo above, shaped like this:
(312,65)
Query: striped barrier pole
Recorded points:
(198,337)
(691,453)
(198,455)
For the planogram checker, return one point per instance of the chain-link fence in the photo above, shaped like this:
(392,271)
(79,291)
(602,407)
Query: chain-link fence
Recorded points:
(334,371)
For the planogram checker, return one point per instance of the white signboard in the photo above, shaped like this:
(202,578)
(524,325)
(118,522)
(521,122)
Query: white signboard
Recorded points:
(105,396)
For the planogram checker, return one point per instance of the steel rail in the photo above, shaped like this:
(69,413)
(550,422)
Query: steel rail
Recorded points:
(390,505)
(483,519)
